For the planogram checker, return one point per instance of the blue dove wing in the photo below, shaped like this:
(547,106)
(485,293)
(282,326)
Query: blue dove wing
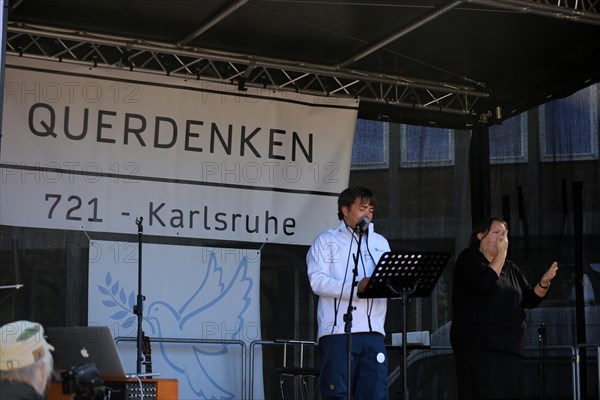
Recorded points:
(213,278)
(218,302)
(237,292)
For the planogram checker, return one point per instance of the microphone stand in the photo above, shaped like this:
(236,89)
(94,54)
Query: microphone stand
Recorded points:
(138,309)
(15,287)
(348,315)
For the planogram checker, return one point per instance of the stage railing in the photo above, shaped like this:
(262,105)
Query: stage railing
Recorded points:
(278,342)
(578,358)
(240,343)
(574,355)
(574,358)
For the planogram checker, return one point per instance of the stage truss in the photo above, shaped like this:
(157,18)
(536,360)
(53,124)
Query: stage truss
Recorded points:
(238,69)
(182,60)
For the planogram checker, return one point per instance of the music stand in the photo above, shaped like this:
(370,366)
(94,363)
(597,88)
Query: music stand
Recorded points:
(404,274)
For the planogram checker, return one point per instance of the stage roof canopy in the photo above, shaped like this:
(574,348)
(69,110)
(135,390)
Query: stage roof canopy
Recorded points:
(425,62)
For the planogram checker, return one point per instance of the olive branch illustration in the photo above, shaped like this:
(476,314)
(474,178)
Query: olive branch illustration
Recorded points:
(118,298)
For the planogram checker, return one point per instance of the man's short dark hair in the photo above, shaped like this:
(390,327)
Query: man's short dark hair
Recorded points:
(348,196)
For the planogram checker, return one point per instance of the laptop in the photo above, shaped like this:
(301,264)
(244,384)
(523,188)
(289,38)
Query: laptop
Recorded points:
(78,345)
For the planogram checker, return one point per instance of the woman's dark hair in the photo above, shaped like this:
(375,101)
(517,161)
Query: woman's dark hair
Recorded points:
(348,196)
(484,227)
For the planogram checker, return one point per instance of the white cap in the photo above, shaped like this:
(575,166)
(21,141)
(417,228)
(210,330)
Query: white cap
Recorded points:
(22,343)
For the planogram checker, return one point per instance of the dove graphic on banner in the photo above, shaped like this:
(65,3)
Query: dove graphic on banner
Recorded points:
(214,310)
(162,314)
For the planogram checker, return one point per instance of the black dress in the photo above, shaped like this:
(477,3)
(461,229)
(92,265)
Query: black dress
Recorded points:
(488,326)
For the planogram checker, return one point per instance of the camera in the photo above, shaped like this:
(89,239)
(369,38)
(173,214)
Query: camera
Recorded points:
(83,381)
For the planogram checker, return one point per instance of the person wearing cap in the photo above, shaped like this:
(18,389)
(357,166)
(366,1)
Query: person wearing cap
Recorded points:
(25,361)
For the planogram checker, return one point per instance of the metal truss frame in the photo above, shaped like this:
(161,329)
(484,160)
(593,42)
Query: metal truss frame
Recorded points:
(584,11)
(244,70)
(239,69)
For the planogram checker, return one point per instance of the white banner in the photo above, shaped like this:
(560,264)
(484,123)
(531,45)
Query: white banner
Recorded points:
(197,293)
(94,149)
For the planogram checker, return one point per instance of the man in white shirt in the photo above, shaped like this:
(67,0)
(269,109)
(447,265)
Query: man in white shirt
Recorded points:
(331,261)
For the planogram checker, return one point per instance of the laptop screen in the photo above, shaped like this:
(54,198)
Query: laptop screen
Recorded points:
(78,345)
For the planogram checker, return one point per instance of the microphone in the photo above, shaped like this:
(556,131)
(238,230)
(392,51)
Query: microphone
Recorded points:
(363,222)
(16,287)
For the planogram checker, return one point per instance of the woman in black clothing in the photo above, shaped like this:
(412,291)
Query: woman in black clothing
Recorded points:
(489,296)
